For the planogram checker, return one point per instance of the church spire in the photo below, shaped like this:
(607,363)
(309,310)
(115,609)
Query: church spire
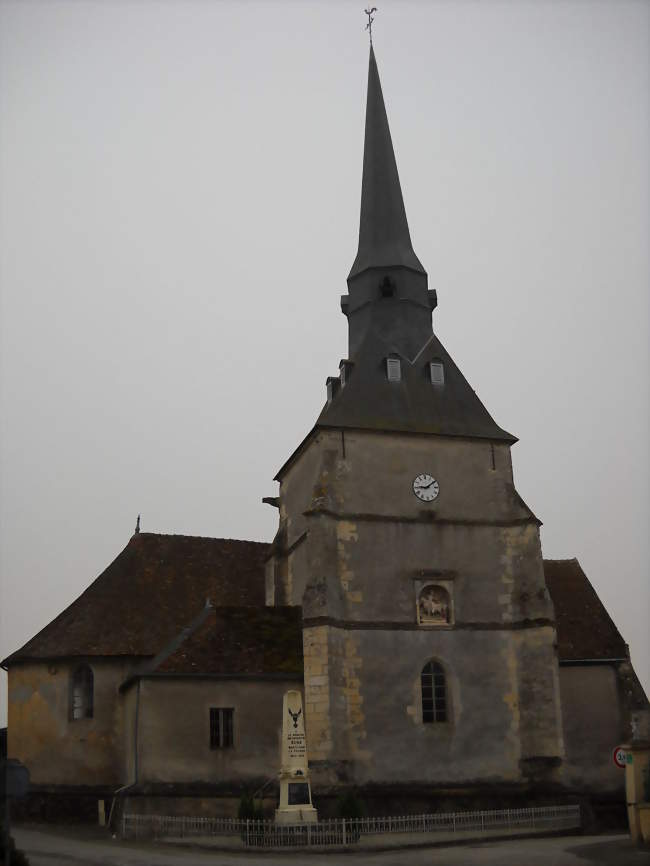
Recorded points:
(384,239)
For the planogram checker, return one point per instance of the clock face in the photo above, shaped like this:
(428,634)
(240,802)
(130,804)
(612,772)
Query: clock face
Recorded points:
(426,488)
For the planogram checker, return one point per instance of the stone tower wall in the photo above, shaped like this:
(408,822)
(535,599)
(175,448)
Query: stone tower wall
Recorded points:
(365,549)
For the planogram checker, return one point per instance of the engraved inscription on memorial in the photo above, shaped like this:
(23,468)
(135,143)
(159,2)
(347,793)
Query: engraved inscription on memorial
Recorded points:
(296,746)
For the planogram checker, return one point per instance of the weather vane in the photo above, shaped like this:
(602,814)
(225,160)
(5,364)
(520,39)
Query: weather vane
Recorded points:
(371,18)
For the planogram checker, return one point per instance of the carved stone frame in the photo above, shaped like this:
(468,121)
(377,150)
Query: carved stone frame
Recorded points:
(420,583)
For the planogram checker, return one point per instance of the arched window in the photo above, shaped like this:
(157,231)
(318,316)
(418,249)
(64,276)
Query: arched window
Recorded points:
(434,693)
(81,704)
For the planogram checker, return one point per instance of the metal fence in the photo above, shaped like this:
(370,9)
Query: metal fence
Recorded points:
(346,831)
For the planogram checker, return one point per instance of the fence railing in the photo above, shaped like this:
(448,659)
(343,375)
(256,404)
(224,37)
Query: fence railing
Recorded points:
(348,831)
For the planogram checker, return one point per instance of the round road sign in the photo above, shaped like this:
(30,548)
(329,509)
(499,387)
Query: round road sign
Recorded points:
(619,756)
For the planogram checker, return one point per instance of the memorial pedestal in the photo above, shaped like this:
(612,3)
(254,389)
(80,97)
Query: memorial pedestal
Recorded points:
(295,801)
(295,805)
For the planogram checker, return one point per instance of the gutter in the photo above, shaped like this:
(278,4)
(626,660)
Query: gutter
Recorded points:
(577,662)
(135,758)
(271,675)
(115,794)
(135,734)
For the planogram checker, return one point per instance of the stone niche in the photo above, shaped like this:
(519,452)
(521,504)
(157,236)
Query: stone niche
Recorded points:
(434,603)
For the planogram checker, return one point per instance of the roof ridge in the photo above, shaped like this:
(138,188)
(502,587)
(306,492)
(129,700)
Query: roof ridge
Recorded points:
(202,537)
(153,587)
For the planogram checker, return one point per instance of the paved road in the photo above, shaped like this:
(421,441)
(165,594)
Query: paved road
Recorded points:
(67,848)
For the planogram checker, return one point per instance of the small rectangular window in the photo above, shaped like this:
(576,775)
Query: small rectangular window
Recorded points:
(221,727)
(394,369)
(437,373)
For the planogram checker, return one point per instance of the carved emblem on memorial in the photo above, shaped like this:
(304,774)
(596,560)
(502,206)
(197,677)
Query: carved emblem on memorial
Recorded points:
(434,606)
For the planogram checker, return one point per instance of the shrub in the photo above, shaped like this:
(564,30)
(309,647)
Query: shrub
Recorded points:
(248,808)
(350,805)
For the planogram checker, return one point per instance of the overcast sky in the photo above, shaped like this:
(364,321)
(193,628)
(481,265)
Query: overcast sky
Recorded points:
(180,187)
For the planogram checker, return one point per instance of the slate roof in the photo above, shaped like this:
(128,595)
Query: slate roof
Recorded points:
(151,602)
(241,640)
(384,238)
(396,325)
(149,593)
(370,402)
(585,630)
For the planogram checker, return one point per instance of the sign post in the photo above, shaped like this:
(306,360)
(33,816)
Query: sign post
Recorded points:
(295,791)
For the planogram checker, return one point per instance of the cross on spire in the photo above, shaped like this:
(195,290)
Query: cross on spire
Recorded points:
(371,18)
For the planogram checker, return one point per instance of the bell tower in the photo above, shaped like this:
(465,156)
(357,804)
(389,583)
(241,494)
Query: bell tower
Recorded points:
(428,633)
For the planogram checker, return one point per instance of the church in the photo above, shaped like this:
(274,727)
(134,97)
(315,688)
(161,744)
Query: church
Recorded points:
(441,659)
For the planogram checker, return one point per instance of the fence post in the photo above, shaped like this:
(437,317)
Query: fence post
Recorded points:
(343,837)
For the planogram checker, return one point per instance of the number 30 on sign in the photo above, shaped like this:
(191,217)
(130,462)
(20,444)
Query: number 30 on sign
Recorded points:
(619,756)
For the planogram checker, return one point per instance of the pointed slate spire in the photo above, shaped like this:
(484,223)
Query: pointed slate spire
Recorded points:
(384,239)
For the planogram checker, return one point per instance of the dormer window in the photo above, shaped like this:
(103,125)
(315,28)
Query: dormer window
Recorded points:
(394,369)
(345,369)
(332,383)
(437,373)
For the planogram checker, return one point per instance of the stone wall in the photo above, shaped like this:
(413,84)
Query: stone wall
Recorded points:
(56,749)
(593,727)
(174,730)
(130,711)
(360,548)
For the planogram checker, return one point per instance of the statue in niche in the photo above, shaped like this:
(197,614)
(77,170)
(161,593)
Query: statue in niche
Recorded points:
(433,605)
